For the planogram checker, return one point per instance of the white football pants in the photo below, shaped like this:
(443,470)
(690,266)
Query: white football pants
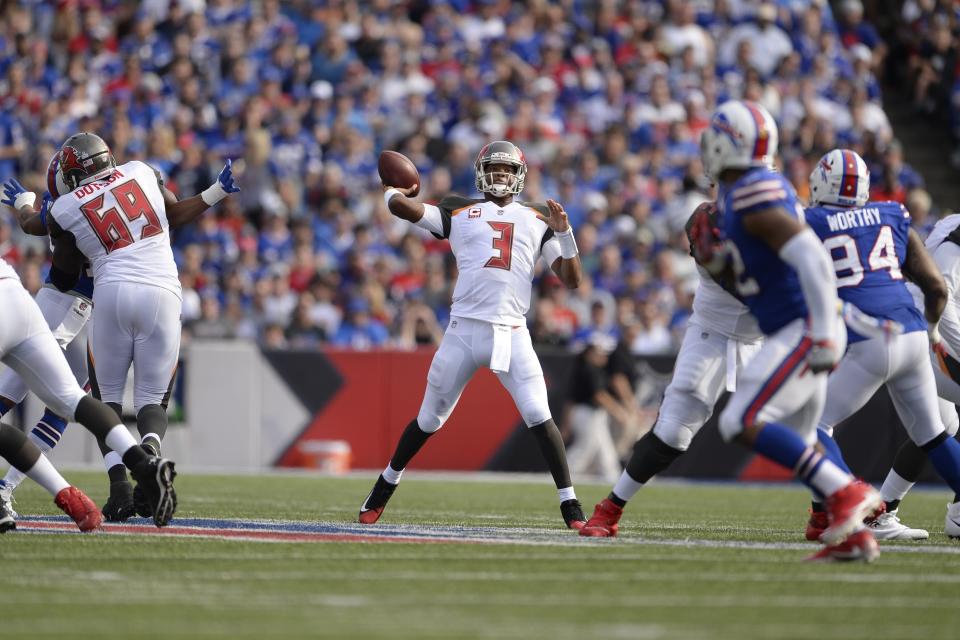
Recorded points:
(466,346)
(903,364)
(140,325)
(707,364)
(31,351)
(66,315)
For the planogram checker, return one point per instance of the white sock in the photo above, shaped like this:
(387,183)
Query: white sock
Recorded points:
(567,493)
(391,475)
(112,459)
(894,487)
(43,473)
(829,478)
(13,478)
(120,440)
(626,487)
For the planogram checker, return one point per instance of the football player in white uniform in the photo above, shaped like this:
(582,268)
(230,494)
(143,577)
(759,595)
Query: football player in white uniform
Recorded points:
(28,347)
(721,337)
(67,314)
(116,218)
(496,242)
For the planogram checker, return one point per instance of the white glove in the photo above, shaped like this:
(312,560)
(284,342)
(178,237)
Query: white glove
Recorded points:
(823,356)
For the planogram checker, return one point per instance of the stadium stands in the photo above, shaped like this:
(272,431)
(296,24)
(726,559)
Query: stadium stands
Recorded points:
(606,98)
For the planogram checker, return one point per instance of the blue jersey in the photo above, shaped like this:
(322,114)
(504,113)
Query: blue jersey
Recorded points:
(868,246)
(769,286)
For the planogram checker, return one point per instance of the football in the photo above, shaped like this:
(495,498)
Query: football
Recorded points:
(397,170)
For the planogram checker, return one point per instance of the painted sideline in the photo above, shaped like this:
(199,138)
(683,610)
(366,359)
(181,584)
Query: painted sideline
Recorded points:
(297,531)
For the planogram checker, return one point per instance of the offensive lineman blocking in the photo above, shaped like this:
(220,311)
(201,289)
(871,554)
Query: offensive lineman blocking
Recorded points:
(496,242)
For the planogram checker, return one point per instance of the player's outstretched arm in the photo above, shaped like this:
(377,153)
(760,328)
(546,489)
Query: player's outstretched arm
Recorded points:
(401,205)
(921,269)
(22,201)
(182,212)
(568,266)
(799,246)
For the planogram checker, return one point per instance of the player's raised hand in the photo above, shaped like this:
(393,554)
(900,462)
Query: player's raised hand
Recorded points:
(226,178)
(557,218)
(16,196)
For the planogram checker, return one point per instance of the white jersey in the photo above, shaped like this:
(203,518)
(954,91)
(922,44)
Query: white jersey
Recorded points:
(496,250)
(7,270)
(943,243)
(120,225)
(716,309)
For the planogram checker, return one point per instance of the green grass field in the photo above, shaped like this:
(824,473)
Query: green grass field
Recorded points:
(676,571)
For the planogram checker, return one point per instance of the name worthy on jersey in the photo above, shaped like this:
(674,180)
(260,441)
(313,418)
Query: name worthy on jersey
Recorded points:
(868,246)
(496,248)
(120,225)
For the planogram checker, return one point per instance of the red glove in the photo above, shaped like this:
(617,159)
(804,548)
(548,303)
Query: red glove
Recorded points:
(705,243)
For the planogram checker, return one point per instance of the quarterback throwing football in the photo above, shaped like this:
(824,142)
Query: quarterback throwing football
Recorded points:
(496,241)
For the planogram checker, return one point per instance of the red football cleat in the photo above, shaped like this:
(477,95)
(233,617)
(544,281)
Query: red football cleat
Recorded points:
(816,524)
(78,506)
(604,521)
(847,508)
(858,546)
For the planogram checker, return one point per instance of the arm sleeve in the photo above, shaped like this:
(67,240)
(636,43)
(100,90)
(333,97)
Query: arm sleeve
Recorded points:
(807,255)
(432,221)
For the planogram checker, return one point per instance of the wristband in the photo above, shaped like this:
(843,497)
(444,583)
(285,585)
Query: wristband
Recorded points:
(213,194)
(388,194)
(25,199)
(568,244)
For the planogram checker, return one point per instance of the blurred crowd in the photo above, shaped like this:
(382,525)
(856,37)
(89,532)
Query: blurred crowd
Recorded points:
(606,98)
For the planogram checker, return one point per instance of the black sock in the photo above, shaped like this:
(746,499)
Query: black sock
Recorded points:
(17,448)
(412,439)
(551,446)
(617,500)
(892,505)
(152,421)
(909,461)
(650,456)
(817,507)
(97,417)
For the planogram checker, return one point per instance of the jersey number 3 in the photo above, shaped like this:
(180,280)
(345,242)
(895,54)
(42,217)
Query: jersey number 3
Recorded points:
(846,258)
(111,228)
(502,244)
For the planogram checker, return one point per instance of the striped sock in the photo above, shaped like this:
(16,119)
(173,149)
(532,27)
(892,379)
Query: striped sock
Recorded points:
(48,430)
(782,445)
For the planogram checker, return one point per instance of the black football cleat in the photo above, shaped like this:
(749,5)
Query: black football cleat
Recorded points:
(573,514)
(155,480)
(376,501)
(119,506)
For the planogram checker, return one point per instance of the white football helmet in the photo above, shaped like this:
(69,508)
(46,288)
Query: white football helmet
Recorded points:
(841,178)
(742,134)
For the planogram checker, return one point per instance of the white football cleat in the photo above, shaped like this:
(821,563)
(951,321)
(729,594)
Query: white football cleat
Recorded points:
(887,526)
(8,517)
(952,520)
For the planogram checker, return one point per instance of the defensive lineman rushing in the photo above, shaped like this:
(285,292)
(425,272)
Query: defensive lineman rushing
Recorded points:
(116,218)
(496,242)
(784,275)
(874,249)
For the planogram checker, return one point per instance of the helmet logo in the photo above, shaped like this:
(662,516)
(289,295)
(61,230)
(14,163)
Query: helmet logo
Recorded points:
(69,161)
(720,124)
